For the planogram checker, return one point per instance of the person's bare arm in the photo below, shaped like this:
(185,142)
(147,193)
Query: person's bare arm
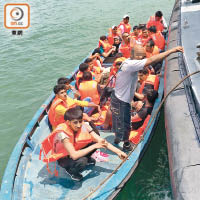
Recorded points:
(109,146)
(161,56)
(75,154)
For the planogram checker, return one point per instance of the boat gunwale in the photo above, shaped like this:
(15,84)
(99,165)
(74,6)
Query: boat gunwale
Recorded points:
(8,180)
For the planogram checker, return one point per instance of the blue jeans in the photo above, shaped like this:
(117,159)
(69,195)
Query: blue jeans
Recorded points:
(121,118)
(88,110)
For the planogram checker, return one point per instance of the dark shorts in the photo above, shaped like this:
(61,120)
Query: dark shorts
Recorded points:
(121,118)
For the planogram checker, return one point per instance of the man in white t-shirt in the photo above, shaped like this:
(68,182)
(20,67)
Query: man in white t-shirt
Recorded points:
(126,82)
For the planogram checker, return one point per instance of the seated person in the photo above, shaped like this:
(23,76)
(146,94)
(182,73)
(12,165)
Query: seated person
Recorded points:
(125,47)
(151,50)
(157,37)
(148,81)
(105,48)
(116,44)
(135,33)
(82,68)
(96,70)
(76,141)
(103,120)
(89,88)
(144,37)
(96,58)
(61,103)
(142,109)
(113,32)
(113,72)
(66,81)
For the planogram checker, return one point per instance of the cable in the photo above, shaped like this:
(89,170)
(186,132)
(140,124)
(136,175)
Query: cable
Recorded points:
(154,116)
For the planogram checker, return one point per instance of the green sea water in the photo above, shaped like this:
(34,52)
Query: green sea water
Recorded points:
(61,35)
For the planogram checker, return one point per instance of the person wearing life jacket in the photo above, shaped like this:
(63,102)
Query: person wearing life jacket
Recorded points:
(144,37)
(157,37)
(72,143)
(69,88)
(124,26)
(105,48)
(79,76)
(125,47)
(113,72)
(113,32)
(134,36)
(138,115)
(151,50)
(149,81)
(93,69)
(89,88)
(158,21)
(61,103)
(103,120)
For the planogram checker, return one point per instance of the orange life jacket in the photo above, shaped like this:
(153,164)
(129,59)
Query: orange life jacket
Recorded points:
(144,40)
(53,151)
(54,118)
(125,50)
(152,22)
(158,39)
(121,59)
(111,36)
(127,27)
(89,89)
(105,44)
(152,80)
(136,135)
(102,118)
(78,76)
(154,52)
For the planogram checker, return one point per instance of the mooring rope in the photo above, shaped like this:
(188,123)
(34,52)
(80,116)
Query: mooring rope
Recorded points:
(152,119)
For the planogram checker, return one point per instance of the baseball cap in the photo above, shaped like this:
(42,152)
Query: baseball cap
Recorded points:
(125,16)
(114,26)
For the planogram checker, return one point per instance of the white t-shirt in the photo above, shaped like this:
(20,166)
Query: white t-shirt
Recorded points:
(126,80)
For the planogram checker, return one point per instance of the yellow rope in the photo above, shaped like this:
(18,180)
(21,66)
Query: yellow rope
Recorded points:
(154,116)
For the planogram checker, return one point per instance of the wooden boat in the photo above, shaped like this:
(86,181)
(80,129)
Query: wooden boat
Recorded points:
(182,109)
(26,176)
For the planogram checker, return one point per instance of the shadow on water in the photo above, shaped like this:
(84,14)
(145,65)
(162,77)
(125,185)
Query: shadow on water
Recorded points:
(151,180)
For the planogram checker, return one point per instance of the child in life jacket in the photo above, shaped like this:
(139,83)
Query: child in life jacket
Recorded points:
(74,141)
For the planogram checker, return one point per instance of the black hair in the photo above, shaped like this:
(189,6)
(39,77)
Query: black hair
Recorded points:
(88,60)
(135,27)
(153,29)
(87,76)
(73,113)
(151,43)
(152,95)
(144,29)
(145,71)
(63,80)
(83,67)
(58,88)
(97,50)
(119,55)
(158,14)
(103,37)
